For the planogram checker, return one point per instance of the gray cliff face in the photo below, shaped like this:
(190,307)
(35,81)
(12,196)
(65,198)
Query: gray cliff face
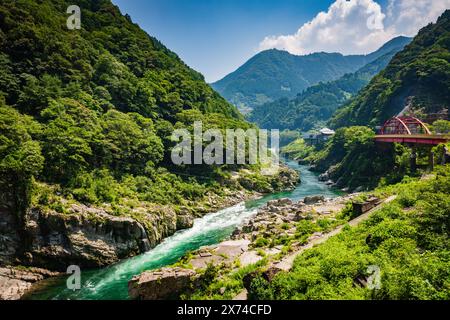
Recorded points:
(87,237)
(9,237)
(59,240)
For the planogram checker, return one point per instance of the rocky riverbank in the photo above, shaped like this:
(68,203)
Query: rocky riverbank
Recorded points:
(14,282)
(271,234)
(92,237)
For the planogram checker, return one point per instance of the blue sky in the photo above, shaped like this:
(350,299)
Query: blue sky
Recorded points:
(215,37)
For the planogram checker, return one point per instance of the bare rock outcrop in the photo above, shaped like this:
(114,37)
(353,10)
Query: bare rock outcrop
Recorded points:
(15,282)
(166,283)
(87,237)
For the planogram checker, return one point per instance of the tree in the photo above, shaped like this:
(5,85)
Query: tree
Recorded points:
(441,126)
(20,158)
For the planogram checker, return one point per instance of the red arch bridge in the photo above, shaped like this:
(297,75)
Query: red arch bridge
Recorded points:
(413,132)
(409,130)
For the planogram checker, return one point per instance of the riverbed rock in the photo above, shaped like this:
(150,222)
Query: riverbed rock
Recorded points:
(15,282)
(324,177)
(280,202)
(286,179)
(313,199)
(248,258)
(224,253)
(166,283)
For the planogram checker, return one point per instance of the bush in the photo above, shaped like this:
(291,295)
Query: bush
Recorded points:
(261,242)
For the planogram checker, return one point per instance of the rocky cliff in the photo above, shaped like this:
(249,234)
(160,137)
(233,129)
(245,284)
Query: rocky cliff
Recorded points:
(91,237)
(87,237)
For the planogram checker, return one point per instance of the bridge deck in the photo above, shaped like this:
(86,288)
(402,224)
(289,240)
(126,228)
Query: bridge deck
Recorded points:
(413,138)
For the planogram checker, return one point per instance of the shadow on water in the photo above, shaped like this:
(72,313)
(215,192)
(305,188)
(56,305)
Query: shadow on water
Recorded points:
(112,282)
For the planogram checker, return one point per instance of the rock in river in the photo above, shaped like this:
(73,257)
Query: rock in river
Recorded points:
(15,282)
(165,283)
(313,199)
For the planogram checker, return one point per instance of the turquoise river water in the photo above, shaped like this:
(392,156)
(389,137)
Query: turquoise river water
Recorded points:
(112,282)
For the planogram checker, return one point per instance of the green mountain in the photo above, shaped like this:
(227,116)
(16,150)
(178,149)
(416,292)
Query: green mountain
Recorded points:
(314,107)
(110,58)
(416,80)
(86,118)
(274,74)
(102,97)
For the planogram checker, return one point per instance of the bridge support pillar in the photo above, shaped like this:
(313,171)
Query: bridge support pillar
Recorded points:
(413,160)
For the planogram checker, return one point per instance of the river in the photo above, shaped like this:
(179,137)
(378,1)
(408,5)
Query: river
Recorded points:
(112,282)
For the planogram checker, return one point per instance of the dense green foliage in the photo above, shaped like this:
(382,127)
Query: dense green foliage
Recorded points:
(92,110)
(353,160)
(274,74)
(407,240)
(20,157)
(441,127)
(110,62)
(297,150)
(313,107)
(418,77)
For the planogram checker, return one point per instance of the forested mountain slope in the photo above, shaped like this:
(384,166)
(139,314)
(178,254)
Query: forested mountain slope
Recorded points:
(415,81)
(417,78)
(275,74)
(102,97)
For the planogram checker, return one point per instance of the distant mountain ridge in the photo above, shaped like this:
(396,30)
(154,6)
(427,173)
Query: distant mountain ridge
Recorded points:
(274,74)
(313,107)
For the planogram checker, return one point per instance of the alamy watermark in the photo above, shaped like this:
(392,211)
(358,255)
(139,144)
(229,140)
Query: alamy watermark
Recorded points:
(73,282)
(74,20)
(374,280)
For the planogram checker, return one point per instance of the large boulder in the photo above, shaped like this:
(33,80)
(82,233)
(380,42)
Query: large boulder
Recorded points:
(286,179)
(324,176)
(166,283)
(313,199)
(185,221)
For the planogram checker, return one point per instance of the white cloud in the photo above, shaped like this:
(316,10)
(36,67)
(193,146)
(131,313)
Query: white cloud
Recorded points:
(409,16)
(358,26)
